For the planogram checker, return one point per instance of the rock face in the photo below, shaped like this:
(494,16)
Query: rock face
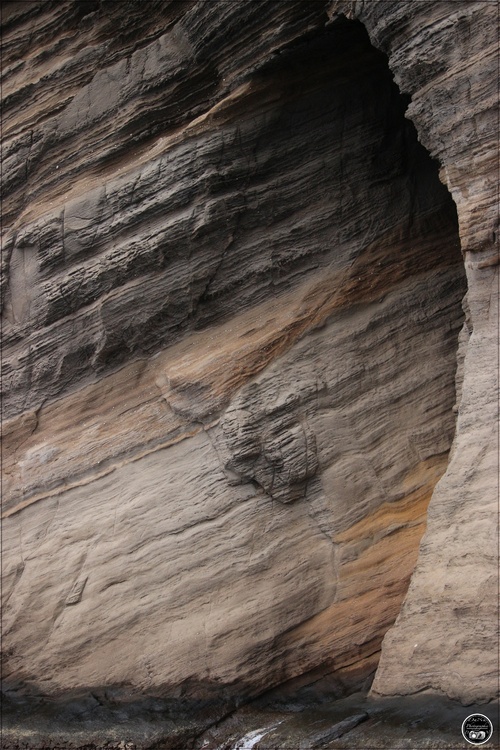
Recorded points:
(447,633)
(232,301)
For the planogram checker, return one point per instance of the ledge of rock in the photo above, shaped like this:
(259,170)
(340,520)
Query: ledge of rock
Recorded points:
(238,350)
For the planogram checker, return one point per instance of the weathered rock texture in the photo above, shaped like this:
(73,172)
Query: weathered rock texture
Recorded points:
(232,299)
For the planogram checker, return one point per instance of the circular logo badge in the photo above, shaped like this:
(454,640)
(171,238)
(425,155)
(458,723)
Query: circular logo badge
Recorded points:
(477,729)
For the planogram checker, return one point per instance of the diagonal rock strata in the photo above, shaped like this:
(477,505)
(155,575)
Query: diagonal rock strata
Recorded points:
(230,343)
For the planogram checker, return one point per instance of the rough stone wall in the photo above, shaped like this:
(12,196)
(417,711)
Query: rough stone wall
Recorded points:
(232,287)
(446,55)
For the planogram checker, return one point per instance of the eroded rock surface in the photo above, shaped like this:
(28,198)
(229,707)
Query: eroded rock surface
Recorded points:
(233,295)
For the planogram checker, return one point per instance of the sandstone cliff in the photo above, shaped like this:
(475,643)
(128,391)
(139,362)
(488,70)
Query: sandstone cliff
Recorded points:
(233,290)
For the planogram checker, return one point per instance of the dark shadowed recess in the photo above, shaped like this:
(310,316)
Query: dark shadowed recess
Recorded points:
(315,159)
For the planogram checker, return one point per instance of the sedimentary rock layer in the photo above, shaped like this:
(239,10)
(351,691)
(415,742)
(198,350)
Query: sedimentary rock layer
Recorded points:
(232,298)
(446,56)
